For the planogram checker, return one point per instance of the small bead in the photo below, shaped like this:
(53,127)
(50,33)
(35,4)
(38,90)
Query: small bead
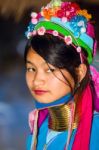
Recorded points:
(34,21)
(78,49)
(68,40)
(83,30)
(64,19)
(33,14)
(55,33)
(80,23)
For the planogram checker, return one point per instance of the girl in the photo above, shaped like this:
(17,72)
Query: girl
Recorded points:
(58,55)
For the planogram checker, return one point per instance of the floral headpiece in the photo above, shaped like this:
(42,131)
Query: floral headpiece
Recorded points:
(67,21)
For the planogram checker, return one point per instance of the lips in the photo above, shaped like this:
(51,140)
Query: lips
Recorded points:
(40,92)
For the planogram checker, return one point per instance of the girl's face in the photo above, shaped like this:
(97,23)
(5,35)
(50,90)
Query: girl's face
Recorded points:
(46,85)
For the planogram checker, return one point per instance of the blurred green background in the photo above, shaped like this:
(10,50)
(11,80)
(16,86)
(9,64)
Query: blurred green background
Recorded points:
(15,99)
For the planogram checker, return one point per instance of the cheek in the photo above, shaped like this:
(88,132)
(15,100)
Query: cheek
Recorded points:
(60,85)
(69,79)
(28,79)
(58,82)
(55,83)
(58,88)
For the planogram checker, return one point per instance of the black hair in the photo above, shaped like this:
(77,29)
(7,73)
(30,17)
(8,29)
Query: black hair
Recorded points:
(55,52)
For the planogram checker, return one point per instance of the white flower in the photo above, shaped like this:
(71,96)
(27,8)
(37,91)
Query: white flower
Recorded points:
(33,14)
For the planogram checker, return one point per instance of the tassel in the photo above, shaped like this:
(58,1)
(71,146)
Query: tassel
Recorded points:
(72,111)
(34,140)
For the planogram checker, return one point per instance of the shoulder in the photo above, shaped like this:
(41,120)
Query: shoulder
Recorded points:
(42,131)
(94,141)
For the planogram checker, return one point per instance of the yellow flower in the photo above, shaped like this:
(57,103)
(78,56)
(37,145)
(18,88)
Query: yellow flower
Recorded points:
(84,13)
(56,3)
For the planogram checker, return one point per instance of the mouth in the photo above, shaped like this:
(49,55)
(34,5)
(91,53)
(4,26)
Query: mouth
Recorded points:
(40,92)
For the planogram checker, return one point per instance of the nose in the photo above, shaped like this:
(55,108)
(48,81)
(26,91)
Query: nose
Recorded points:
(39,79)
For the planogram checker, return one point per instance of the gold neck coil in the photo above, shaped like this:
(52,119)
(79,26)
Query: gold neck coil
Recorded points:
(59,118)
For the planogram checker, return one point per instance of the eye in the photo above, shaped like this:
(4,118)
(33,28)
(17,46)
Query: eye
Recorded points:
(51,70)
(30,69)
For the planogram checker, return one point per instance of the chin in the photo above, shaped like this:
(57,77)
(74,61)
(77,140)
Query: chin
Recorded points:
(43,100)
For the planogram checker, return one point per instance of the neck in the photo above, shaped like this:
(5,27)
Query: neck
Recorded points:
(59,118)
(60,101)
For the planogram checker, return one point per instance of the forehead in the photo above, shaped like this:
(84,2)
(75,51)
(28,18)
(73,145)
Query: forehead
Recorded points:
(34,58)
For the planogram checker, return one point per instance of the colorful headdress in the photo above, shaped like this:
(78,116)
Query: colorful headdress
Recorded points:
(67,21)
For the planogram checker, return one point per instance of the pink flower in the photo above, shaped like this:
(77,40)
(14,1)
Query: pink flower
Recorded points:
(69,9)
(68,40)
(41,31)
(34,20)
(55,33)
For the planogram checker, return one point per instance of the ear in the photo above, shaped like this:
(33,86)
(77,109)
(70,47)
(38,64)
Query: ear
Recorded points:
(81,71)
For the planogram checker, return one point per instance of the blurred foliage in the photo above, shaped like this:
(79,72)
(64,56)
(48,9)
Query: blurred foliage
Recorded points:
(17,8)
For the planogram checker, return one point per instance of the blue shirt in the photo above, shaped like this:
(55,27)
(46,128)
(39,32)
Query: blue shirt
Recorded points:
(57,140)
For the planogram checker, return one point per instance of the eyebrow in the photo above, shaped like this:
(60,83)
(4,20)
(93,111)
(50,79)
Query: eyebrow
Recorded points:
(29,62)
